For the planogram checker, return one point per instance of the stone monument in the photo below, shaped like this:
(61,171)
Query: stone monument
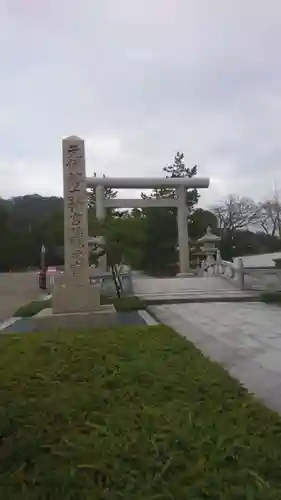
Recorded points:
(76,303)
(75,294)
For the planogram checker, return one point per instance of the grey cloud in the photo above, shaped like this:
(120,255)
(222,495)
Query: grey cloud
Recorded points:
(147,79)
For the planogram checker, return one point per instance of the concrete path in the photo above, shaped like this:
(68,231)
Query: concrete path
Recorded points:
(212,288)
(16,289)
(244,337)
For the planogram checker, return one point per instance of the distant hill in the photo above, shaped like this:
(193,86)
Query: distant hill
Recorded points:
(26,223)
(32,207)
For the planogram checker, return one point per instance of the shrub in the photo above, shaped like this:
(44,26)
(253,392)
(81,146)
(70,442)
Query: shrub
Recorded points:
(32,308)
(272,297)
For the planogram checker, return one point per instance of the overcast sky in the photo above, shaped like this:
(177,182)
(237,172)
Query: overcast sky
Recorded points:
(139,80)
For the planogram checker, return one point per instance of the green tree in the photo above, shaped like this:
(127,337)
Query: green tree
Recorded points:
(5,239)
(179,169)
(160,251)
(124,236)
(199,220)
(109,194)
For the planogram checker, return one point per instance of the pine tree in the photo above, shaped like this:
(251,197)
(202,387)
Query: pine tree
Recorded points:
(109,194)
(178,169)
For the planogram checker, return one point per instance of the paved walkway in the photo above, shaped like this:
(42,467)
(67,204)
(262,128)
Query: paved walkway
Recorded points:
(244,337)
(188,289)
(16,289)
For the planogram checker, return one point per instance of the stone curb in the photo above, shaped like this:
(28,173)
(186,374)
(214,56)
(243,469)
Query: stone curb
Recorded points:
(8,322)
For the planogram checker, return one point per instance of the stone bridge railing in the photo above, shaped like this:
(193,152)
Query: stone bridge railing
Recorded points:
(223,268)
(253,278)
(263,278)
(230,271)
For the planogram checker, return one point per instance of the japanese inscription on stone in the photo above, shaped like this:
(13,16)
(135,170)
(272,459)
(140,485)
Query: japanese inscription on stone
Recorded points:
(76,227)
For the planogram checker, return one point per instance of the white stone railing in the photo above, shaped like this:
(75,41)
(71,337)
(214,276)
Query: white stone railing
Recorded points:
(232,272)
(256,278)
(263,277)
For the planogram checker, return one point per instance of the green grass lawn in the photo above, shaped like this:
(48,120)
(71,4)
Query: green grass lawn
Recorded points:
(132,413)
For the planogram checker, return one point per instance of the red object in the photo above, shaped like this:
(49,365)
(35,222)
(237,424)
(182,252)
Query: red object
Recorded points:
(42,280)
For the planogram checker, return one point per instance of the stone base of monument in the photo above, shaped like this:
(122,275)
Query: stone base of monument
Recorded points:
(72,299)
(186,275)
(104,317)
(76,308)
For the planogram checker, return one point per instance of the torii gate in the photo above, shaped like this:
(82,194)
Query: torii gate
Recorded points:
(180,184)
